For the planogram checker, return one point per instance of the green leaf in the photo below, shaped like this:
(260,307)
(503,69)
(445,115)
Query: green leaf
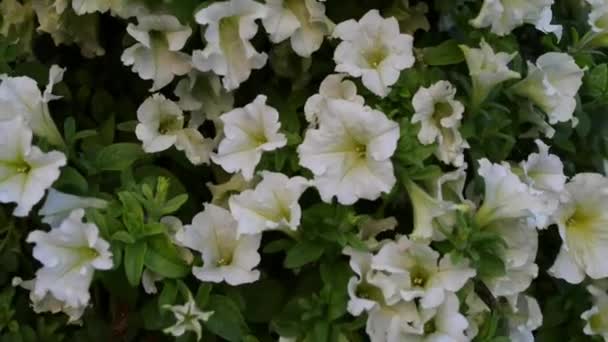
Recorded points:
(132,213)
(123,236)
(445,53)
(168,295)
(174,204)
(302,253)
(154,228)
(118,157)
(71,181)
(163,258)
(226,321)
(134,262)
(202,294)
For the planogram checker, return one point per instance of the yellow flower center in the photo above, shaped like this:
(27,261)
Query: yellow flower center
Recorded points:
(360,150)
(419,277)
(376,56)
(223,261)
(23,168)
(580,221)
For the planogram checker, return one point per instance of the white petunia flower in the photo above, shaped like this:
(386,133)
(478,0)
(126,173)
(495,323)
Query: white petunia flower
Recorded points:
(220,193)
(429,278)
(440,116)
(444,323)
(373,49)
(519,256)
(70,254)
(20,97)
(363,295)
(58,206)
(385,323)
(25,171)
(436,203)
(552,84)
(203,92)
(505,196)
(160,122)
(198,149)
(596,318)
(90,6)
(598,17)
(525,317)
(156,54)
(226,255)
(545,172)
(505,15)
(350,152)
(433,216)
(487,69)
(249,131)
(583,225)
(46,302)
(229,52)
(303,21)
(333,87)
(148,281)
(188,317)
(273,204)
(369,228)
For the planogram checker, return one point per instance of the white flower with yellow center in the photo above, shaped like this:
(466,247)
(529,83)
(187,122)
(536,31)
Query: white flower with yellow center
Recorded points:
(249,131)
(303,21)
(226,255)
(160,122)
(25,171)
(552,84)
(487,69)
(505,15)
(273,204)
(229,53)
(350,152)
(429,277)
(333,87)
(596,318)
(70,254)
(583,226)
(440,116)
(188,317)
(20,97)
(156,54)
(598,17)
(373,49)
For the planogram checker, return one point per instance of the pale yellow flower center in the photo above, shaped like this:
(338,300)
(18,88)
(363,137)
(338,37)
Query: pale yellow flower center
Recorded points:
(376,56)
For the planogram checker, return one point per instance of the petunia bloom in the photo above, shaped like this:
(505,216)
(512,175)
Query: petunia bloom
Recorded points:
(156,54)
(373,49)
(349,153)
